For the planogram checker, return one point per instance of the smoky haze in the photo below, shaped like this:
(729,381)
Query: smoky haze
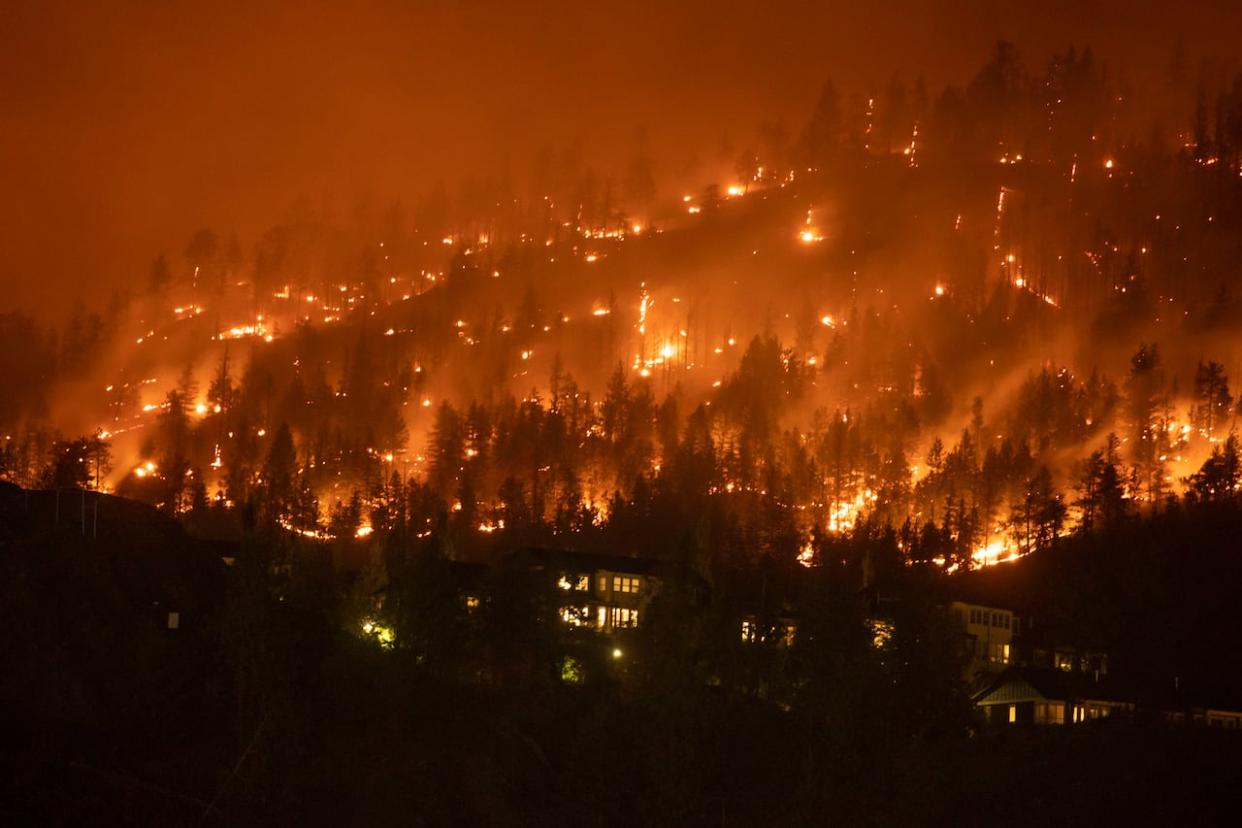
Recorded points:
(126,126)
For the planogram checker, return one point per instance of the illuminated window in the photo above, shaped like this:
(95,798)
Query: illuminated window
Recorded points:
(574,582)
(602,617)
(472,602)
(623,584)
(624,617)
(748,630)
(1013,713)
(1050,713)
(881,633)
(575,616)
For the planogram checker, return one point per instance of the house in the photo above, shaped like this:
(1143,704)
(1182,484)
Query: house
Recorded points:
(601,592)
(1041,696)
(1070,659)
(990,635)
(1211,717)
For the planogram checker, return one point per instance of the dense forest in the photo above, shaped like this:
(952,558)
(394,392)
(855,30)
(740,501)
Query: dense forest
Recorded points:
(1064,361)
(824,380)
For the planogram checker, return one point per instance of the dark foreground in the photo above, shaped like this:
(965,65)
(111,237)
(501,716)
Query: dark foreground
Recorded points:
(262,708)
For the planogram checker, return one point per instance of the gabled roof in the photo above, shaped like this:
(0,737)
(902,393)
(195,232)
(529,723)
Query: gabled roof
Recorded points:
(1023,684)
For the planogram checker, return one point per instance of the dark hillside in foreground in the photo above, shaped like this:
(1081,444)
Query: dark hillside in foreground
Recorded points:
(259,708)
(109,648)
(1158,594)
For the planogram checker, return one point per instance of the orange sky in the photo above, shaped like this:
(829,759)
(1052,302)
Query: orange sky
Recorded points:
(125,126)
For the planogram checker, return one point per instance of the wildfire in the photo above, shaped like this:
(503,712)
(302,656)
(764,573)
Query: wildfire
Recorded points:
(996,552)
(809,233)
(842,516)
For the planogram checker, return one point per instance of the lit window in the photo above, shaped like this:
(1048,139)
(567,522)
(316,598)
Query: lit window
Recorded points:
(623,584)
(574,582)
(1013,713)
(748,630)
(575,616)
(624,617)
(1050,713)
(881,633)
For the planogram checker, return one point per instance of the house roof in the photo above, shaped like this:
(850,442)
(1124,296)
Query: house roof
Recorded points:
(1022,684)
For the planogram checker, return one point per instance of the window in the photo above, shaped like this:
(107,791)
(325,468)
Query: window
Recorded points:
(881,633)
(748,630)
(1079,714)
(624,617)
(574,582)
(1013,713)
(783,633)
(472,602)
(575,616)
(1050,713)
(623,584)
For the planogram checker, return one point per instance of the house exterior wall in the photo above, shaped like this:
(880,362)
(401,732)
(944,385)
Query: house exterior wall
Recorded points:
(605,599)
(989,634)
